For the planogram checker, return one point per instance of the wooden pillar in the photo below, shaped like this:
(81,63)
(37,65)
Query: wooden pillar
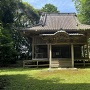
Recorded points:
(72,55)
(83,52)
(48,50)
(33,48)
(87,52)
(37,64)
(50,55)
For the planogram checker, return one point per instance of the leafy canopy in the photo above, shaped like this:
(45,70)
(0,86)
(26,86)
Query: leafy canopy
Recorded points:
(13,12)
(7,11)
(26,15)
(83,9)
(50,8)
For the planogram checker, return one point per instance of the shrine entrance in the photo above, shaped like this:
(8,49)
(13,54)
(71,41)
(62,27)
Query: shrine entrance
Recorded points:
(61,51)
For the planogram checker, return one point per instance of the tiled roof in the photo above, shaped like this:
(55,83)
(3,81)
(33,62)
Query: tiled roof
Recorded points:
(64,21)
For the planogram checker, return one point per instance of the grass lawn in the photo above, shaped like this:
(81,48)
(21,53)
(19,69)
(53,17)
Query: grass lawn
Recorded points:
(42,79)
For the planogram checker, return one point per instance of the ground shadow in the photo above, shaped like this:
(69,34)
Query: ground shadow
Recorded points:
(24,82)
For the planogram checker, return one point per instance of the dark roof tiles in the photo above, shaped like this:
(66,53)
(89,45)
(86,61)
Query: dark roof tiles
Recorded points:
(65,21)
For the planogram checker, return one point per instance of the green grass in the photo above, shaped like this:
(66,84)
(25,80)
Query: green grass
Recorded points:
(42,79)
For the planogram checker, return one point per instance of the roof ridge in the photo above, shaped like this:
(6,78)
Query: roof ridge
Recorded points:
(61,14)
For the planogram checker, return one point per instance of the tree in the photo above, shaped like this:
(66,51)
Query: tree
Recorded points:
(7,11)
(50,8)
(17,13)
(26,15)
(7,51)
(83,9)
(13,12)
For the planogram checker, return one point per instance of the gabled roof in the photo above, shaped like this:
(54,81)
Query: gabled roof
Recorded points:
(64,21)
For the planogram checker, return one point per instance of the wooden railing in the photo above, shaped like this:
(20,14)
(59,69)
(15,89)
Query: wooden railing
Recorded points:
(82,62)
(35,63)
(55,63)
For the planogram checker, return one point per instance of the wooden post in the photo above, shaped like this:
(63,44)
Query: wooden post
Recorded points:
(72,55)
(83,51)
(48,50)
(50,55)
(37,63)
(84,62)
(32,47)
(87,52)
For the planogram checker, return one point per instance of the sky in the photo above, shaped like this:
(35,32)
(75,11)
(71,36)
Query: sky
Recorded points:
(64,6)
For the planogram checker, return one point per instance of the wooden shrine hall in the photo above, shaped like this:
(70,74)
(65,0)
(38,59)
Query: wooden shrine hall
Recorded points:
(58,40)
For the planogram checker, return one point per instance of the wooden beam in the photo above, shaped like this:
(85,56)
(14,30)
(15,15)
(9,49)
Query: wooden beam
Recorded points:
(72,55)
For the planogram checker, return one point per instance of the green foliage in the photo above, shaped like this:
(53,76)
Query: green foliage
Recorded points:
(83,9)
(14,13)
(7,11)
(26,15)
(50,8)
(7,51)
